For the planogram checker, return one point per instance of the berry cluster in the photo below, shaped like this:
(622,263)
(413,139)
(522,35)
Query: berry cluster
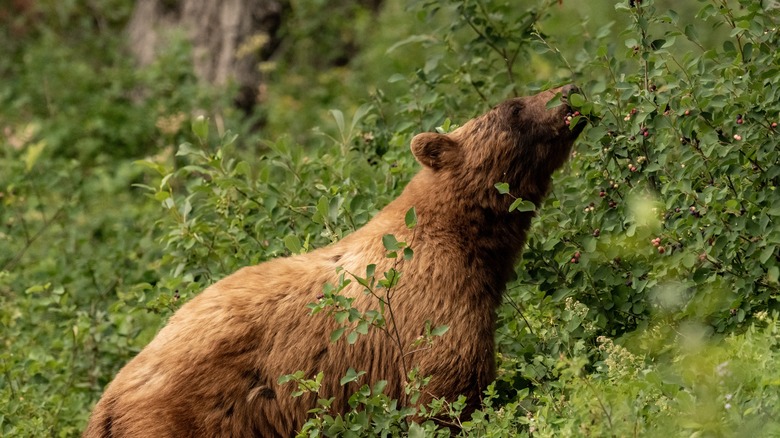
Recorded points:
(657,243)
(632,167)
(576,257)
(570,116)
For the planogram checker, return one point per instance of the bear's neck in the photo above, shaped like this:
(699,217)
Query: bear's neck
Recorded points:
(460,231)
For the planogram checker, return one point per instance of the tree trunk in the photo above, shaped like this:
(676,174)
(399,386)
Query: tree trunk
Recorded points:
(229,38)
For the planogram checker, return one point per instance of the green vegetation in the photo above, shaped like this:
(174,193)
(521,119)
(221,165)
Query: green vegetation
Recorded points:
(646,303)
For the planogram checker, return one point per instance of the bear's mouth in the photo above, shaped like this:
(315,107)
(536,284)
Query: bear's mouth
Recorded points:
(573,122)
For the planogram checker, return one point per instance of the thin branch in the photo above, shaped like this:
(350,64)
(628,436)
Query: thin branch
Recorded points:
(11,263)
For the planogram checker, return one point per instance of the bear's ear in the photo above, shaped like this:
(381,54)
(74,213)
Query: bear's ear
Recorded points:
(433,150)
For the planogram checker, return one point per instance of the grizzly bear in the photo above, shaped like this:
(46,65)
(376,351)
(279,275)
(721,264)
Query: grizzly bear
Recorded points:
(213,370)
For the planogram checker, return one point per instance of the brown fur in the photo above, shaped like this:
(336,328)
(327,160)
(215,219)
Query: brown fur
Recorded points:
(213,370)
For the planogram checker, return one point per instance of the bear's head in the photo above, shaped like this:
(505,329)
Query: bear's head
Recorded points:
(520,142)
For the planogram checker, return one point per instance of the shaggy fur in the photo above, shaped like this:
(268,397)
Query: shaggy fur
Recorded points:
(213,370)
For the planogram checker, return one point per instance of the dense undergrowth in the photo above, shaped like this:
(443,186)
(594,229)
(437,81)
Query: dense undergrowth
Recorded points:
(646,300)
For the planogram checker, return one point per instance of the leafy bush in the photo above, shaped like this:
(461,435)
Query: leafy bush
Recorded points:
(665,219)
(77,246)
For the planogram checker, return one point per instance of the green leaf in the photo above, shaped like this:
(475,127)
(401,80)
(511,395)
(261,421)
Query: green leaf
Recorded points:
(341,317)
(200,127)
(772,274)
(408,253)
(411,39)
(391,278)
(657,44)
(359,114)
(416,431)
(362,327)
(589,244)
(767,253)
(689,260)
(379,387)
(351,376)
(440,330)
(520,204)
(576,100)
(747,52)
(292,243)
(188,149)
(390,243)
(159,168)
(37,288)
(228,139)
(502,188)
(333,209)
(411,218)
(555,101)
(32,154)
(397,77)
(323,208)
(335,335)
(338,116)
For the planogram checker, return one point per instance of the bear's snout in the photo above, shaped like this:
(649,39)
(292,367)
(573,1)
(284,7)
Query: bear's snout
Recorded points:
(566,90)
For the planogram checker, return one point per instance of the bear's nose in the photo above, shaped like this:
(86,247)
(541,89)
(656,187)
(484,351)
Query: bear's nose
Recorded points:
(568,89)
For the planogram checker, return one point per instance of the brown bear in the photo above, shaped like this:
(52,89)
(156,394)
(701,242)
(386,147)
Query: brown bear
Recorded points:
(213,370)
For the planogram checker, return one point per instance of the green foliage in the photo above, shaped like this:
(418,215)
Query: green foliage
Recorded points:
(78,246)
(698,388)
(66,265)
(646,300)
(684,153)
